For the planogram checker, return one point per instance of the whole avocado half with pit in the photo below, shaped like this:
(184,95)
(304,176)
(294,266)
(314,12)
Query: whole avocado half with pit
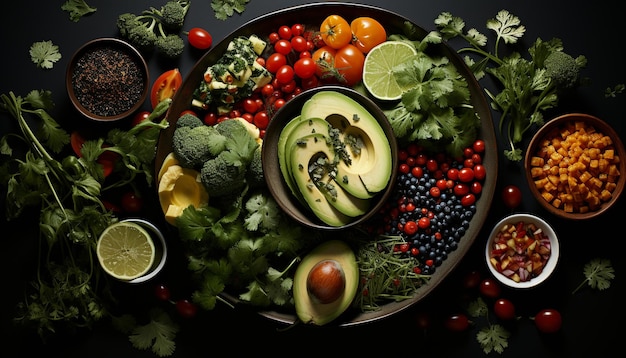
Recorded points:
(370,167)
(308,308)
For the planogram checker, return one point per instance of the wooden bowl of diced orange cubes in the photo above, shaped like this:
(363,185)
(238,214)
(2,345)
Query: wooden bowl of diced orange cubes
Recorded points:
(575,166)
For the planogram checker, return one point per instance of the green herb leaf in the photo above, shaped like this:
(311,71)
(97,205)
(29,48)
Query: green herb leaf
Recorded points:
(493,338)
(158,334)
(598,274)
(227,8)
(44,54)
(77,9)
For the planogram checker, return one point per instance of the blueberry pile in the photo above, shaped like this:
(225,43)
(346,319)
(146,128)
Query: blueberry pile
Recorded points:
(433,204)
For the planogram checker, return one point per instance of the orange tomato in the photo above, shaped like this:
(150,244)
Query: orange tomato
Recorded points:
(335,31)
(324,58)
(367,33)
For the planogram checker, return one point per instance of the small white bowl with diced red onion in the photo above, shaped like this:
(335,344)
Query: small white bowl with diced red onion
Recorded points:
(522,250)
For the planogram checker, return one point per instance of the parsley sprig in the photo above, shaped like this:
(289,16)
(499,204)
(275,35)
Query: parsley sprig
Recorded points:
(69,290)
(527,89)
(226,8)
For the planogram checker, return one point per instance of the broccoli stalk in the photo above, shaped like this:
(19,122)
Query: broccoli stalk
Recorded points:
(528,87)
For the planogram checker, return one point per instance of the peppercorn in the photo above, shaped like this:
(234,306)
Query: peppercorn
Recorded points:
(108,81)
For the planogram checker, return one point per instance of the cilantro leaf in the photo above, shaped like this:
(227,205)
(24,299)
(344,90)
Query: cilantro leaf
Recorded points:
(227,8)
(44,54)
(493,338)
(157,334)
(598,274)
(263,213)
(507,27)
(77,9)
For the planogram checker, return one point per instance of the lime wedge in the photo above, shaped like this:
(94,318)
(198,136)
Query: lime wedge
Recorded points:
(378,76)
(125,250)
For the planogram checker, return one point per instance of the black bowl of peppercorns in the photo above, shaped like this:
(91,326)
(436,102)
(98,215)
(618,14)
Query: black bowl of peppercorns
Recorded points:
(107,79)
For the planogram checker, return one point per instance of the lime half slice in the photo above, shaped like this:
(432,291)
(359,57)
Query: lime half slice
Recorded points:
(378,68)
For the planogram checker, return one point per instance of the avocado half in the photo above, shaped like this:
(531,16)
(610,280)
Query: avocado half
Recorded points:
(308,308)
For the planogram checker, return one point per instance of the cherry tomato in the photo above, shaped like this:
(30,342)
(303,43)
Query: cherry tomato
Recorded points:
(479,172)
(140,117)
(466,174)
(512,196)
(548,320)
(479,146)
(504,309)
(285,74)
(285,32)
(297,29)
(131,202)
(200,38)
(162,292)
(283,46)
(305,67)
(275,61)
(165,86)
(261,120)
(335,31)
(471,279)
(367,33)
(457,322)
(298,44)
(324,58)
(490,288)
(186,308)
(106,160)
(349,62)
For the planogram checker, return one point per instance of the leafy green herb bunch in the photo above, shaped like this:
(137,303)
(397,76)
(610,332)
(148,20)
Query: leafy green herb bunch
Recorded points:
(529,84)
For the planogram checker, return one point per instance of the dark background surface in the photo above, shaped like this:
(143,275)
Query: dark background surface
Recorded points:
(589,316)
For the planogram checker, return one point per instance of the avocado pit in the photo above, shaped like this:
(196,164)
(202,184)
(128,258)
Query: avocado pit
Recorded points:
(326,281)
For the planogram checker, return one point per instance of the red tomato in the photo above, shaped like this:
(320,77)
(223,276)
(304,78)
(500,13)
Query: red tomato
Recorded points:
(165,86)
(457,322)
(131,202)
(200,38)
(285,74)
(548,320)
(186,308)
(335,31)
(140,117)
(283,46)
(285,32)
(298,44)
(305,67)
(490,288)
(275,61)
(504,309)
(349,62)
(162,292)
(512,196)
(367,33)
(479,146)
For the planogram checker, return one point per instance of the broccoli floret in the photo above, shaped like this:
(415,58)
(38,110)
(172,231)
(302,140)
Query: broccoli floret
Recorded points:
(564,69)
(189,120)
(173,14)
(171,45)
(255,170)
(156,28)
(193,146)
(231,127)
(222,177)
(126,22)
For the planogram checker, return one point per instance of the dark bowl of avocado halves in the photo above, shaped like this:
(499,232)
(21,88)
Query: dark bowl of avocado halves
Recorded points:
(329,156)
